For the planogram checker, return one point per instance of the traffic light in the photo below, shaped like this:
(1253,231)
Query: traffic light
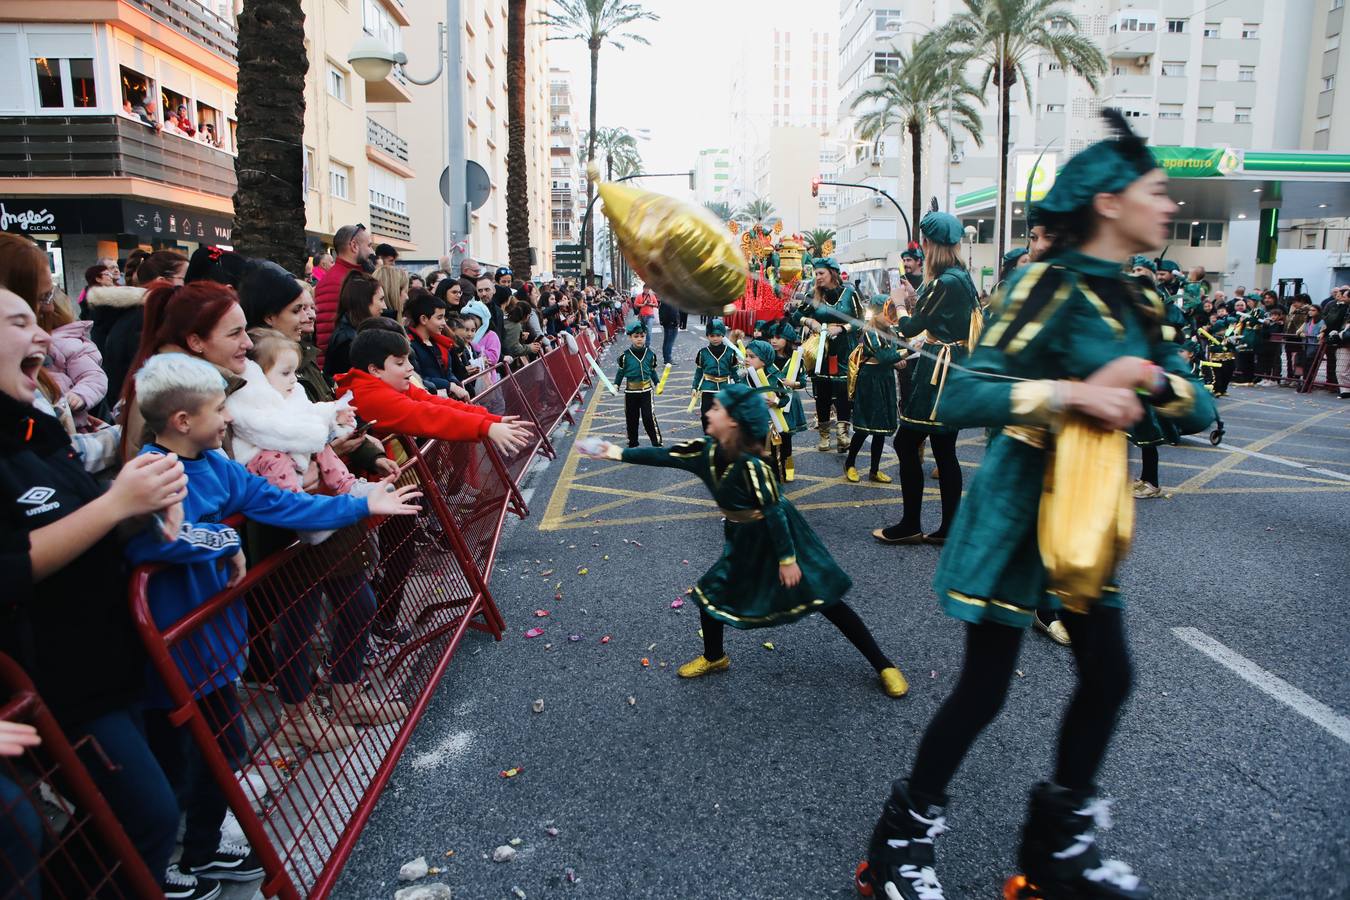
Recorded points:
(815,186)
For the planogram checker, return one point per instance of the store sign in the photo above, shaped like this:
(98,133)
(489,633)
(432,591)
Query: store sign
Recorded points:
(25,218)
(1196,162)
(181,223)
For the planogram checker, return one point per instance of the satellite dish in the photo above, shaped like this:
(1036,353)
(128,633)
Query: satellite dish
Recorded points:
(477,184)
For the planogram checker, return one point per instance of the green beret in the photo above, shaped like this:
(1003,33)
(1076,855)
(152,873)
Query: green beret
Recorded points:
(1012,257)
(877,301)
(1168,265)
(716,327)
(1144,261)
(941,228)
(635,326)
(785,331)
(761,349)
(1106,167)
(827,262)
(745,405)
(759,325)
(1033,216)
(912,253)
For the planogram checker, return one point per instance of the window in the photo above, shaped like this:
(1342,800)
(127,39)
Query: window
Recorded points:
(1329,83)
(1135,23)
(1333,43)
(889,19)
(308,172)
(1176,26)
(1133,113)
(1174,70)
(984,229)
(339,180)
(138,97)
(337,83)
(388,191)
(1324,123)
(1054,108)
(1206,114)
(177,113)
(209,121)
(1337,4)
(1242,115)
(1169,110)
(1199,234)
(1247,73)
(64,83)
(376,22)
(1209,73)
(1211,30)
(885,62)
(1250,32)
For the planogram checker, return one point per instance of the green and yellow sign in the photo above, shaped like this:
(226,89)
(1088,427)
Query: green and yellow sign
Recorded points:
(1196,162)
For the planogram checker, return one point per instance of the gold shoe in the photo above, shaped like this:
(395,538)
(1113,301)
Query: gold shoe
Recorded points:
(893,683)
(852,475)
(880,478)
(1145,491)
(698,667)
(1055,630)
(880,534)
(789,470)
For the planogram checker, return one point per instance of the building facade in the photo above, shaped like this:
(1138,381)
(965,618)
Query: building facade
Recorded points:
(567,195)
(117,127)
(712,176)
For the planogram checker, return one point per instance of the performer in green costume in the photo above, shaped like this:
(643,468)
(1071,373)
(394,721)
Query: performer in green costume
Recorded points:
(1076,337)
(783,338)
(637,375)
(874,393)
(1153,430)
(945,311)
(773,568)
(834,305)
(714,368)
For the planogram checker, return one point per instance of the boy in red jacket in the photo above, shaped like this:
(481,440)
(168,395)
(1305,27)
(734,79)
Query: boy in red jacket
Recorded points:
(383,393)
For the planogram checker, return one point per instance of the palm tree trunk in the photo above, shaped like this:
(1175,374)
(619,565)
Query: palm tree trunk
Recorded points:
(1005,117)
(269,203)
(613,252)
(589,237)
(916,160)
(517,166)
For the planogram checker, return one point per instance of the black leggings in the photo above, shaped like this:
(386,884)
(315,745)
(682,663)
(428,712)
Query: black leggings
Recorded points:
(1149,470)
(1223,375)
(831,394)
(1105,677)
(878,447)
(908,446)
(639,403)
(841,616)
(706,400)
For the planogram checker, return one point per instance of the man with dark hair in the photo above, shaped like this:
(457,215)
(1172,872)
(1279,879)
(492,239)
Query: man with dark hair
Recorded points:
(386,255)
(351,244)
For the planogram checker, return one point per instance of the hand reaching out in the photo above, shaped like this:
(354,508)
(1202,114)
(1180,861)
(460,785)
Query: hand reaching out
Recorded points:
(508,435)
(395,502)
(15,737)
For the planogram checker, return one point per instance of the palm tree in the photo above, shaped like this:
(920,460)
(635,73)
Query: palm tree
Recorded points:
(1004,35)
(517,171)
(721,209)
(926,88)
(758,211)
(619,150)
(269,203)
(816,240)
(596,22)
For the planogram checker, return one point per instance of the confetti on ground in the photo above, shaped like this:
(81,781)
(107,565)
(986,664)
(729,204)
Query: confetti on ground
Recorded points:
(570,874)
(574,637)
(449,853)
(512,772)
(632,701)
(537,706)
(677,603)
(534,632)
(684,562)
(583,571)
(605,639)
(1021,674)
(606,556)
(503,854)
(515,842)
(551,831)
(546,573)
(768,645)
(541,613)
(520,895)
(933,673)
(646,662)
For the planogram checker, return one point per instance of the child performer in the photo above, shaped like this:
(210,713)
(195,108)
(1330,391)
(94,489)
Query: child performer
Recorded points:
(875,405)
(1076,337)
(759,357)
(773,569)
(637,374)
(714,368)
(784,342)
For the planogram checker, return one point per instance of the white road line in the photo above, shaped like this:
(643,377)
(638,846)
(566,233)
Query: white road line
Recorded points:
(1313,710)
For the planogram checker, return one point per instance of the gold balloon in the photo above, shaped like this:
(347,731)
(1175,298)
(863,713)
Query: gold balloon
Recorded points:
(677,248)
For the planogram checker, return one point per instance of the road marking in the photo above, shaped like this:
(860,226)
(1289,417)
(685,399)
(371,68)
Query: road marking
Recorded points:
(1233,459)
(1313,710)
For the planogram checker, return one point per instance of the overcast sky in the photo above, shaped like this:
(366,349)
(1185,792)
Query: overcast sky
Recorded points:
(678,87)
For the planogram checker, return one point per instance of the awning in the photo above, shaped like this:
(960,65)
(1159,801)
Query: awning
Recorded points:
(110,215)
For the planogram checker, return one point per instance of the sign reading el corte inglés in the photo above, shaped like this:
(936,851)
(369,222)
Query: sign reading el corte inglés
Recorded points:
(1196,162)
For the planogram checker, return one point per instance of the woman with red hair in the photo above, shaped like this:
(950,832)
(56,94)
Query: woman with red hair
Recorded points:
(202,319)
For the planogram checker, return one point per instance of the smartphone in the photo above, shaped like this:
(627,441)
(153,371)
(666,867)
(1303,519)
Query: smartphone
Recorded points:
(363,429)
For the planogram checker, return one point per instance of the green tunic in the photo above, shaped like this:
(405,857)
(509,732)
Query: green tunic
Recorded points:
(943,310)
(1064,319)
(795,412)
(714,368)
(1153,429)
(637,370)
(840,310)
(875,407)
(762,531)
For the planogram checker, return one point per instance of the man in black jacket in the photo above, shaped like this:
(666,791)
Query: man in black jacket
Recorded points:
(669,317)
(1335,319)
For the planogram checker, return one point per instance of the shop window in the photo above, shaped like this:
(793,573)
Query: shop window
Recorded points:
(177,113)
(138,97)
(209,121)
(233,144)
(64,83)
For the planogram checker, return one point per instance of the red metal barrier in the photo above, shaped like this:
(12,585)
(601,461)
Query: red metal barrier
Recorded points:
(65,840)
(1295,362)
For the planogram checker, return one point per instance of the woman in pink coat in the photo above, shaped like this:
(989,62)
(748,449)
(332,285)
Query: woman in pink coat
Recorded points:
(73,361)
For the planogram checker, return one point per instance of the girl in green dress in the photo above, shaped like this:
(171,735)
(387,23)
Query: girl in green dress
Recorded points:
(759,356)
(1075,336)
(783,338)
(945,312)
(773,568)
(874,393)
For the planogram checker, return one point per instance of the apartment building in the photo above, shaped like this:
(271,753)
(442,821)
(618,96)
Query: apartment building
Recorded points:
(117,127)
(1228,92)
(712,176)
(567,186)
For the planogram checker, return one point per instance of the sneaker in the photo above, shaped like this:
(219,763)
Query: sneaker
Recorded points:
(1145,491)
(230,862)
(392,632)
(178,885)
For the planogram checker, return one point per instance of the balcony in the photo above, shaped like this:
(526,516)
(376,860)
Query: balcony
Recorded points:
(390,224)
(196,22)
(386,141)
(110,146)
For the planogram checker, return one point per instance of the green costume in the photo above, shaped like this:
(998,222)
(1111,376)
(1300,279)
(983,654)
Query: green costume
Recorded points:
(875,404)
(637,375)
(1064,320)
(714,368)
(943,309)
(795,412)
(637,370)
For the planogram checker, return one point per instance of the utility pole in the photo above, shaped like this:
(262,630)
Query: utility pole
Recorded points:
(455,125)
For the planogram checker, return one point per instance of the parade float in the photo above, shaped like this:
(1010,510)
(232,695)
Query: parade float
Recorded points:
(777,263)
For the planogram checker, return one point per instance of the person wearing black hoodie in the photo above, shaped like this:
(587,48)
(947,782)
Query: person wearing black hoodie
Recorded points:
(74,637)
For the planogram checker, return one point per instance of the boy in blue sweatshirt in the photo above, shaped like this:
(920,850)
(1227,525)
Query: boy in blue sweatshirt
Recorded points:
(183,401)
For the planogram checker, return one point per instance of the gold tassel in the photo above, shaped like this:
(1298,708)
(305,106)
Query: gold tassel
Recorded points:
(976,328)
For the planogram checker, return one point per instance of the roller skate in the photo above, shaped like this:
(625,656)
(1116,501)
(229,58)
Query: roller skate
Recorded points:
(899,864)
(1059,856)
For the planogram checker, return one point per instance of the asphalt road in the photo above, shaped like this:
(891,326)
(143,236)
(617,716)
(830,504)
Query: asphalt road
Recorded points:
(764,781)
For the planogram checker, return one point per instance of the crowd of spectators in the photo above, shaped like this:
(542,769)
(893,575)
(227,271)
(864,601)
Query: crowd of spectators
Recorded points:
(169,397)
